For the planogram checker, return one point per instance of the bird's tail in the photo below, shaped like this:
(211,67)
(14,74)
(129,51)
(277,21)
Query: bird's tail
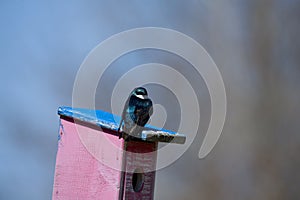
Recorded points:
(120,135)
(120,132)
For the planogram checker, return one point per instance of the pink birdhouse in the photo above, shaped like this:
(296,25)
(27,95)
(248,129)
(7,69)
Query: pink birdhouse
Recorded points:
(94,163)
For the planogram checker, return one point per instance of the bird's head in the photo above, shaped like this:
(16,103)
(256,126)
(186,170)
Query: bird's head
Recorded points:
(140,92)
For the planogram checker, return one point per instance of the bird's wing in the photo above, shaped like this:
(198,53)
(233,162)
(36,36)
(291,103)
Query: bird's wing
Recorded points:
(145,111)
(150,107)
(123,114)
(126,106)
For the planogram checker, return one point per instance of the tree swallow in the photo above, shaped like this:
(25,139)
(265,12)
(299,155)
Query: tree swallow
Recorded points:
(136,113)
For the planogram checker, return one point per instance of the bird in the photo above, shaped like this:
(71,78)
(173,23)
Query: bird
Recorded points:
(136,113)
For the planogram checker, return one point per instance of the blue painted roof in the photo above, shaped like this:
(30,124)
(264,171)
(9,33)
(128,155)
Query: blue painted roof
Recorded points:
(109,121)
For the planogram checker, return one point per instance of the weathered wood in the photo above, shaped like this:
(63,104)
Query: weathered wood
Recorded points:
(141,159)
(78,174)
(109,121)
(93,163)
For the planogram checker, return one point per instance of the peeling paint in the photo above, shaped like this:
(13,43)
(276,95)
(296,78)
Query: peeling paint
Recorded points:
(111,122)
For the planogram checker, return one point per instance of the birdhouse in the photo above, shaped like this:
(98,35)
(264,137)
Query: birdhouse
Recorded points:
(93,162)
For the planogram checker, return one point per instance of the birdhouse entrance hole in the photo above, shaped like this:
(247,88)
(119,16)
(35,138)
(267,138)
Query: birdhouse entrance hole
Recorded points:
(138,180)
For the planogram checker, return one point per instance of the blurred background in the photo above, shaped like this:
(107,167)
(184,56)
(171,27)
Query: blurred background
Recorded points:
(254,43)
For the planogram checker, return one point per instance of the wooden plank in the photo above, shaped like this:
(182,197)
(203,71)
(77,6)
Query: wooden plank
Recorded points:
(78,174)
(109,121)
(140,165)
